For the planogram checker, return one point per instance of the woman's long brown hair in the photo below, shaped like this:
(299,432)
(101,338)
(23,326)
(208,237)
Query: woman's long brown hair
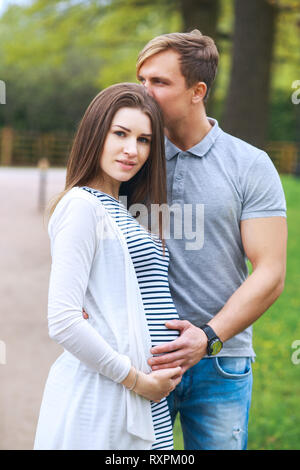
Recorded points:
(148,186)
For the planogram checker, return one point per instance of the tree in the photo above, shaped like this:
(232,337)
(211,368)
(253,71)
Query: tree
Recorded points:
(202,15)
(246,107)
(76,48)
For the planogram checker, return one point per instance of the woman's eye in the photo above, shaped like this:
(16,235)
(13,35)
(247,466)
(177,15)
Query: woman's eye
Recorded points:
(144,140)
(120,133)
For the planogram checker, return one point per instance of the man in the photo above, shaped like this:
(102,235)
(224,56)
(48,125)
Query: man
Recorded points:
(241,195)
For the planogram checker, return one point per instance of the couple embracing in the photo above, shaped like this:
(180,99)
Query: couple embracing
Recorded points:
(150,328)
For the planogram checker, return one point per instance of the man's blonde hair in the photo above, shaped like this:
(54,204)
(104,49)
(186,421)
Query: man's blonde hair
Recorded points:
(198,55)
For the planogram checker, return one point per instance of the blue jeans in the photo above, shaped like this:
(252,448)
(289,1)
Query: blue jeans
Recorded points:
(213,399)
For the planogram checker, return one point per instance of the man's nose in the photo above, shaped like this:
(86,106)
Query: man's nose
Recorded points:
(148,87)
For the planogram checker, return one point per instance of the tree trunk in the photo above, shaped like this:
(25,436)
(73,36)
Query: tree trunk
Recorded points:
(202,15)
(246,108)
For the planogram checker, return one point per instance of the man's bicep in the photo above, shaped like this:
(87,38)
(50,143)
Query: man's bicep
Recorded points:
(264,240)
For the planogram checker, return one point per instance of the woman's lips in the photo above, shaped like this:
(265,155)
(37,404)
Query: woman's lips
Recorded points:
(126,165)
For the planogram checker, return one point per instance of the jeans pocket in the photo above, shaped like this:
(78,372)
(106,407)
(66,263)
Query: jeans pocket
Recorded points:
(233,367)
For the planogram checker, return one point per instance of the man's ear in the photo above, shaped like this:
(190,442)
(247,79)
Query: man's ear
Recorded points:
(199,92)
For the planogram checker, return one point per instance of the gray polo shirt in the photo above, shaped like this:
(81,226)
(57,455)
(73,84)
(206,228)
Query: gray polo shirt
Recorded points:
(211,188)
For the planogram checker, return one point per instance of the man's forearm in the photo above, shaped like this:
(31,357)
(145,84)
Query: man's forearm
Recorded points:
(249,302)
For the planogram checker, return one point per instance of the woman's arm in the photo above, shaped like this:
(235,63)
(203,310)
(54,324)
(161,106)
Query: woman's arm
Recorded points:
(73,233)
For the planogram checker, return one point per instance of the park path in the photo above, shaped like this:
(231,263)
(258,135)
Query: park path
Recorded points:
(24,274)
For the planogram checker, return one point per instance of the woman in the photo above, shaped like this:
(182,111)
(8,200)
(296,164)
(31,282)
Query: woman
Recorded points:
(101,393)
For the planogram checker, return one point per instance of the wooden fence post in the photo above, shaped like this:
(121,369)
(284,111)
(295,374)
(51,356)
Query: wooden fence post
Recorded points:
(43,165)
(2,92)
(7,139)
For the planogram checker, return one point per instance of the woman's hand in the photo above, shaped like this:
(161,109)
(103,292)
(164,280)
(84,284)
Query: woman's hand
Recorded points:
(158,384)
(85,315)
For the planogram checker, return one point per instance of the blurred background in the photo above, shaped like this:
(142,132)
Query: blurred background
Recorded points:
(55,56)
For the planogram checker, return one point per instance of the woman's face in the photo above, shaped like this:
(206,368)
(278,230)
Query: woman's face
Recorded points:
(127,145)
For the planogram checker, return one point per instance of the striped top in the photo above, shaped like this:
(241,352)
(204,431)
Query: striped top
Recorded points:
(151,267)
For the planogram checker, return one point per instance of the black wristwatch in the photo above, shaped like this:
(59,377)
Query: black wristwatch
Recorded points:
(214,345)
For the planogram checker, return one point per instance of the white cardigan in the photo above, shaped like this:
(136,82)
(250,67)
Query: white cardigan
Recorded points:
(92,268)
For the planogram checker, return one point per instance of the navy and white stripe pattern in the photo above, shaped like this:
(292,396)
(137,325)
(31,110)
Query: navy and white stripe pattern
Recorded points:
(151,268)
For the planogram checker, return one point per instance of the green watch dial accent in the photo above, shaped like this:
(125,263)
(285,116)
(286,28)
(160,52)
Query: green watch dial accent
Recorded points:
(215,347)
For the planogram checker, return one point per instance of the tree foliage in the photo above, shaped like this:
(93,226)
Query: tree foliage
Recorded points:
(55,56)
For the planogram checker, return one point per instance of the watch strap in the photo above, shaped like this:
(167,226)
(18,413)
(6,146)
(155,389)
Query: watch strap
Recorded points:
(209,332)
(214,344)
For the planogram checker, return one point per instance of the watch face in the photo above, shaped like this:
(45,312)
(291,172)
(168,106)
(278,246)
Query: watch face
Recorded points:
(215,347)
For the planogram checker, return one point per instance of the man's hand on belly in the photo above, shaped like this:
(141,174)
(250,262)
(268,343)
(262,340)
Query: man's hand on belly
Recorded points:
(185,351)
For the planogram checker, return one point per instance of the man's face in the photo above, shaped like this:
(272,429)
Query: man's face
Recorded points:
(162,77)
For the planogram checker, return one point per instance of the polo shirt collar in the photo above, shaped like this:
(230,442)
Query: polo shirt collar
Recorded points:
(199,149)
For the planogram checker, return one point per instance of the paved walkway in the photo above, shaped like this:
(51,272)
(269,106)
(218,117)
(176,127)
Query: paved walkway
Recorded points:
(25,267)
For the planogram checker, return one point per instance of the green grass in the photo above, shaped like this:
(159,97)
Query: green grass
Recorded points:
(275,412)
